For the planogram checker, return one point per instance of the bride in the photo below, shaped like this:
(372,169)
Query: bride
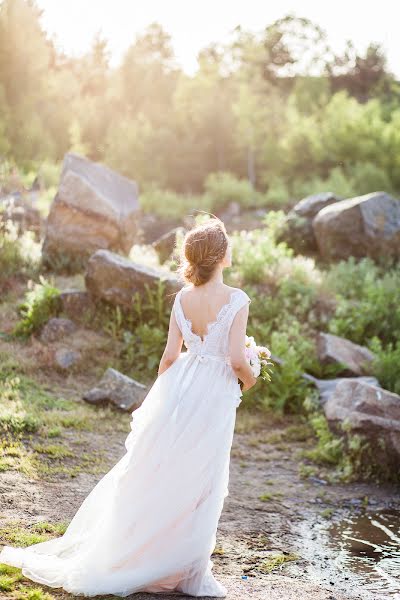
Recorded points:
(150,523)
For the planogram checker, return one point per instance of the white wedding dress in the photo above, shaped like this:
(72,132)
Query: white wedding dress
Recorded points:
(150,523)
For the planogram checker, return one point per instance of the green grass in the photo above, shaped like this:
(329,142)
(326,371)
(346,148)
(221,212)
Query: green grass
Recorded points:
(277,561)
(270,496)
(18,534)
(53,451)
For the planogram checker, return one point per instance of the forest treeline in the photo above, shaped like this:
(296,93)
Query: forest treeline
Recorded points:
(277,107)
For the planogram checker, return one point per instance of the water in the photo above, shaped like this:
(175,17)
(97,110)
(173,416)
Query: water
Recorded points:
(358,552)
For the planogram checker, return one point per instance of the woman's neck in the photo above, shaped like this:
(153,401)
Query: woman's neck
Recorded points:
(216,279)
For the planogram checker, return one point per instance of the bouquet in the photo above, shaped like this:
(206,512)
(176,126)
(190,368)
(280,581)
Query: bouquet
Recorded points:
(258,356)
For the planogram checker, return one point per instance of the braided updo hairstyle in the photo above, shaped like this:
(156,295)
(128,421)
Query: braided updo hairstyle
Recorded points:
(203,248)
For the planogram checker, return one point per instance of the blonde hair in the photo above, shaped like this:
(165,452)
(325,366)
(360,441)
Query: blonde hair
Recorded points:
(203,248)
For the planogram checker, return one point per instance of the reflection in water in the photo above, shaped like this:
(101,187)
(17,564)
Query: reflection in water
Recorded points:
(357,554)
(369,545)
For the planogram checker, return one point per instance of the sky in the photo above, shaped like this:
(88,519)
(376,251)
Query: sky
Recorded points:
(73,23)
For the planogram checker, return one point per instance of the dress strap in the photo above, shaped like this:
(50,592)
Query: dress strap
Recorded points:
(239,300)
(177,308)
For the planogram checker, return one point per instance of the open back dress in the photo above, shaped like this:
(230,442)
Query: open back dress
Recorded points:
(150,523)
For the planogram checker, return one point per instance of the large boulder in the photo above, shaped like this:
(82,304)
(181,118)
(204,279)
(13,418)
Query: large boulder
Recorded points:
(371,411)
(355,359)
(114,278)
(94,208)
(368,225)
(299,233)
(326,387)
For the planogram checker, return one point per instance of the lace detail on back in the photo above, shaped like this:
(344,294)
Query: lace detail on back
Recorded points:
(222,312)
(216,340)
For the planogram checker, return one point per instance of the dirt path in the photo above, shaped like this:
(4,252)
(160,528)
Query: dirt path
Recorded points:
(250,529)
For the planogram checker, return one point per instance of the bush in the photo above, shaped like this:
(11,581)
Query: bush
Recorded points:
(278,193)
(367,301)
(169,204)
(351,454)
(256,255)
(287,389)
(221,188)
(337,182)
(41,302)
(141,332)
(386,366)
(368,177)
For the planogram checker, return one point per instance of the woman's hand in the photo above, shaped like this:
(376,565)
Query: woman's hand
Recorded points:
(249,383)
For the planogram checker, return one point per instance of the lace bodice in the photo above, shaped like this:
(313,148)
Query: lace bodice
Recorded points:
(216,340)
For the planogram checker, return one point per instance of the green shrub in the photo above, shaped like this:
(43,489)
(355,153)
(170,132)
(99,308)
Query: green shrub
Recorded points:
(65,264)
(221,188)
(386,366)
(278,193)
(368,177)
(337,181)
(350,454)
(169,204)
(256,255)
(367,301)
(141,332)
(41,302)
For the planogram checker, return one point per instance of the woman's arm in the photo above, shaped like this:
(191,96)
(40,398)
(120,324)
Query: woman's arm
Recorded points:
(173,346)
(237,340)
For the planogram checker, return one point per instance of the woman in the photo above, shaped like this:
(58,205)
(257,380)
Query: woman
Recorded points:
(150,523)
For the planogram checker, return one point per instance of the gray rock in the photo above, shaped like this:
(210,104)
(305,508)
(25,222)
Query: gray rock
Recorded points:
(56,329)
(311,205)
(165,245)
(94,208)
(115,279)
(65,359)
(368,225)
(327,387)
(356,360)
(299,233)
(369,410)
(122,391)
(76,304)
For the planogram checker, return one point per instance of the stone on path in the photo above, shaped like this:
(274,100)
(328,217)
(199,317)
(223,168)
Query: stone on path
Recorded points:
(56,329)
(65,358)
(122,391)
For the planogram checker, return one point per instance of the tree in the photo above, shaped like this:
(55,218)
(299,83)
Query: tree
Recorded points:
(24,64)
(361,76)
